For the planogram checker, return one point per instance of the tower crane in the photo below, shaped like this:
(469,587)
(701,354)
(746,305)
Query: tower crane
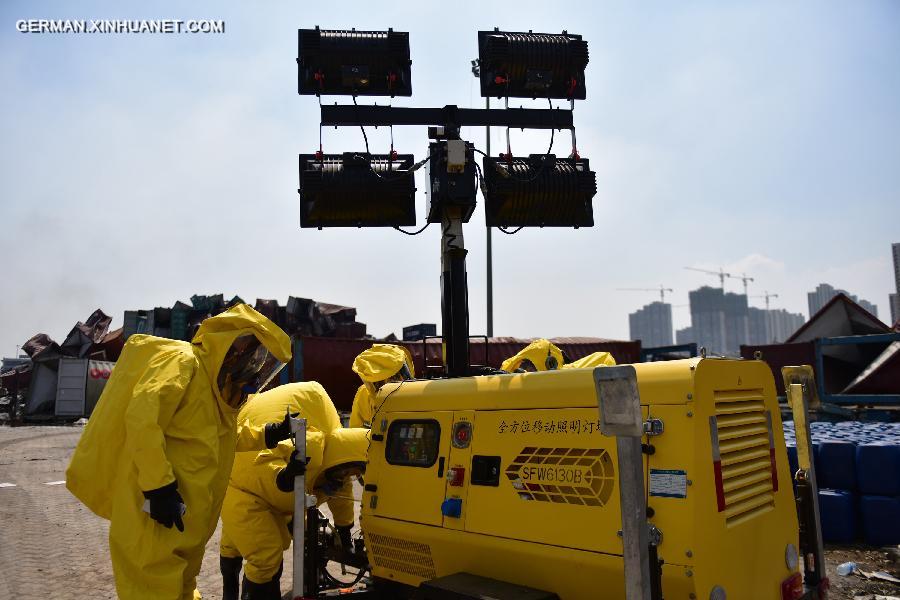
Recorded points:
(766,295)
(743,277)
(661,289)
(721,274)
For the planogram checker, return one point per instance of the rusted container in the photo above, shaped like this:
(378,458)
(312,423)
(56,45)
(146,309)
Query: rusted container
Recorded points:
(782,355)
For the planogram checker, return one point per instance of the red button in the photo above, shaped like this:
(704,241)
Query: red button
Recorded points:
(456,476)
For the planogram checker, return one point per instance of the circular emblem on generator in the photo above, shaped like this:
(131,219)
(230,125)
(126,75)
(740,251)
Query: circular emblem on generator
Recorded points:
(583,476)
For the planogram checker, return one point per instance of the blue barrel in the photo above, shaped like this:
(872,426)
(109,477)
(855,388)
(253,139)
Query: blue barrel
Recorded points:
(880,520)
(837,509)
(792,459)
(836,465)
(878,469)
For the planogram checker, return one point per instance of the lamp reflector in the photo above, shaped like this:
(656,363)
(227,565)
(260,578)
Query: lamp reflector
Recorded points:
(539,191)
(357,190)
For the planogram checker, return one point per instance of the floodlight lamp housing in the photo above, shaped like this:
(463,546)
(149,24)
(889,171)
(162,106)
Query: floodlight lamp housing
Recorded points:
(540,190)
(353,63)
(357,190)
(532,65)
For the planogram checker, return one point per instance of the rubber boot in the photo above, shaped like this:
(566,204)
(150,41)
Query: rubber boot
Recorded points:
(271,590)
(345,537)
(231,576)
(276,583)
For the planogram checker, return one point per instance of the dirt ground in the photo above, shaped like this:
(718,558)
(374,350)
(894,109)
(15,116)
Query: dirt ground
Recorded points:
(53,547)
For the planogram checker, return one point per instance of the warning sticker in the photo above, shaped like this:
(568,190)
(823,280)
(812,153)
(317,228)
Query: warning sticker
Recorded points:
(666,483)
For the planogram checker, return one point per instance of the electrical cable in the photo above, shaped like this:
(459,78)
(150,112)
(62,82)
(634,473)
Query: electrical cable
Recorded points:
(320,124)
(508,171)
(514,232)
(361,128)
(413,232)
(552,130)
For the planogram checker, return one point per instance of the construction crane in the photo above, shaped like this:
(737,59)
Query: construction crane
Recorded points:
(661,289)
(766,295)
(721,274)
(743,277)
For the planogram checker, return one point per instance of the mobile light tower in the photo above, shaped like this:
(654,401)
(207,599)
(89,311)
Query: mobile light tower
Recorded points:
(362,189)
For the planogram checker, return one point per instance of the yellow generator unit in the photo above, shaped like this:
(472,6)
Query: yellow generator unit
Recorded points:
(508,477)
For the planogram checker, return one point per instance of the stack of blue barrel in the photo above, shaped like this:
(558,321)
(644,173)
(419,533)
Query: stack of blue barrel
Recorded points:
(858,471)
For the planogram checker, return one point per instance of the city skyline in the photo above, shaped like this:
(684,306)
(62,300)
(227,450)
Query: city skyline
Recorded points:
(722,321)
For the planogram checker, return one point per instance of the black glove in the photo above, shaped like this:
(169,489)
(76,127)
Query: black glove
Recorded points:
(345,537)
(166,506)
(277,432)
(294,468)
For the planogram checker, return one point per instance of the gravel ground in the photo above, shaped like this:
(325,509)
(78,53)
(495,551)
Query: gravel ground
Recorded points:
(53,547)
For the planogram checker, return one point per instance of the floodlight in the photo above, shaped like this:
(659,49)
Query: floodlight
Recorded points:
(356,63)
(539,191)
(532,65)
(357,190)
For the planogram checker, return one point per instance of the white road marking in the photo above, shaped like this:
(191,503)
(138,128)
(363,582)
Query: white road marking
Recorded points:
(55,482)
(3,485)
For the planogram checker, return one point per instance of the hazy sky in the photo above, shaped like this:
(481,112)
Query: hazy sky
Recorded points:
(136,170)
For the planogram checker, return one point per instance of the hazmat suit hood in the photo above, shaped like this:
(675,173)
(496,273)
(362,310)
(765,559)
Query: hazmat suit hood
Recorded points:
(538,352)
(308,398)
(343,447)
(595,359)
(381,362)
(216,335)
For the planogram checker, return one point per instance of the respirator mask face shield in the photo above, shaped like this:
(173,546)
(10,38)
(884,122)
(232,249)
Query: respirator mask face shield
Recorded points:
(248,367)
(334,478)
(401,375)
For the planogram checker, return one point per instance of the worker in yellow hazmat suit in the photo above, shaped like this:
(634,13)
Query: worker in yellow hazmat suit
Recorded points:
(376,366)
(595,359)
(546,356)
(543,354)
(158,448)
(255,512)
(256,516)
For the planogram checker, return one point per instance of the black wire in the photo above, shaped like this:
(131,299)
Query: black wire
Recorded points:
(378,410)
(320,122)
(517,230)
(543,165)
(552,130)
(414,232)
(482,185)
(361,128)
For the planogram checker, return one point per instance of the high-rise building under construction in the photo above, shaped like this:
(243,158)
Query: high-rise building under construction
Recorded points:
(824,293)
(652,324)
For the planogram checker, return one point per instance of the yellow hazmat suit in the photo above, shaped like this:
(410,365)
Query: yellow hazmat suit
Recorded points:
(537,352)
(342,447)
(256,512)
(596,359)
(161,418)
(375,365)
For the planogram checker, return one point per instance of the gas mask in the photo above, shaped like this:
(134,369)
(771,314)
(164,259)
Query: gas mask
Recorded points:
(247,369)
